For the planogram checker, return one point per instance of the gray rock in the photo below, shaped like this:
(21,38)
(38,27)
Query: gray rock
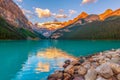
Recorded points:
(100,78)
(75,63)
(67,62)
(115,68)
(105,70)
(87,65)
(78,78)
(118,50)
(56,75)
(69,69)
(67,76)
(65,65)
(82,71)
(91,75)
(115,60)
(118,76)
(94,64)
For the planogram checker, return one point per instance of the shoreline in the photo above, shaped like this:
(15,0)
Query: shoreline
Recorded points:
(100,66)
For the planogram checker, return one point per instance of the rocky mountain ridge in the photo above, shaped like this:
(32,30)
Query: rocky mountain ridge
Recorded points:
(84,15)
(109,13)
(14,24)
(13,14)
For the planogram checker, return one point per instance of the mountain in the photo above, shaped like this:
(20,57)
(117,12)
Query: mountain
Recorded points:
(47,28)
(13,14)
(109,13)
(8,31)
(107,29)
(90,27)
(91,18)
(76,20)
(80,18)
(105,14)
(56,29)
(13,23)
(115,13)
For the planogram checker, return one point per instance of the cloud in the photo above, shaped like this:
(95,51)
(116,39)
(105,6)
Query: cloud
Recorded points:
(71,12)
(28,13)
(61,11)
(25,11)
(46,13)
(61,16)
(19,0)
(43,13)
(88,1)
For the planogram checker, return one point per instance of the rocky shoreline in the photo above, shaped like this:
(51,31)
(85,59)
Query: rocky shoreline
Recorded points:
(101,66)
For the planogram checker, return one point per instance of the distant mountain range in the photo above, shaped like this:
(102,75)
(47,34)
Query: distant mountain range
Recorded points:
(47,28)
(102,16)
(103,26)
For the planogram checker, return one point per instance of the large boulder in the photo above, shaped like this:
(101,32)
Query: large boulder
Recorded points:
(75,63)
(115,68)
(67,76)
(69,69)
(87,65)
(67,62)
(94,64)
(105,70)
(100,78)
(118,76)
(78,78)
(65,65)
(118,51)
(115,60)
(91,74)
(82,71)
(56,75)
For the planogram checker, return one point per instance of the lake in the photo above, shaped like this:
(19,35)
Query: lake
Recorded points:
(35,60)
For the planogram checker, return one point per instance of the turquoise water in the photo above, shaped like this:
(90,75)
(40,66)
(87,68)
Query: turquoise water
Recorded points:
(35,60)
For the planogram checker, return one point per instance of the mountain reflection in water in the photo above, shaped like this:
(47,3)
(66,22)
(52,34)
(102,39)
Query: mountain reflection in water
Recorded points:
(45,61)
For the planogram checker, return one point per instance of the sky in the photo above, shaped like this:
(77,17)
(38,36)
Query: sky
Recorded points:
(38,11)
